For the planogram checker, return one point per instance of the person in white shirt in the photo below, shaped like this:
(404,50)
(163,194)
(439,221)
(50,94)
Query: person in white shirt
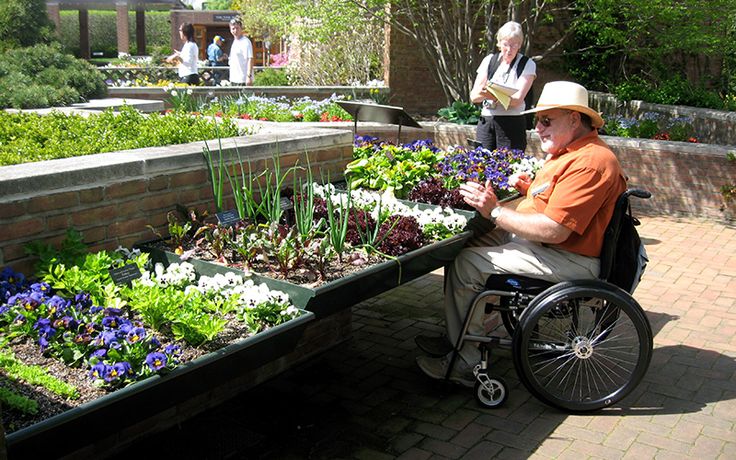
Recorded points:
(187,57)
(241,55)
(499,126)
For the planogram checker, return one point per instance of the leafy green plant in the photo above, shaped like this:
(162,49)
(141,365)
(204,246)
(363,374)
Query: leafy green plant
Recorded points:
(303,202)
(462,113)
(271,77)
(382,165)
(13,400)
(28,137)
(182,98)
(338,218)
(216,171)
(35,375)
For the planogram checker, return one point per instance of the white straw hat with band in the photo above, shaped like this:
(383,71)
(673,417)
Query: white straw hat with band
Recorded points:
(566,95)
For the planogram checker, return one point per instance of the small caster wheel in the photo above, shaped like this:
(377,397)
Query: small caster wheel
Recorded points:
(490,392)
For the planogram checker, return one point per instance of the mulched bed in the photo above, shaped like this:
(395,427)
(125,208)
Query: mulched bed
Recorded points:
(50,404)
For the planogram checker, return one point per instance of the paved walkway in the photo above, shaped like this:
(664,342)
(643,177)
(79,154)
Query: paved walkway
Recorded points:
(367,399)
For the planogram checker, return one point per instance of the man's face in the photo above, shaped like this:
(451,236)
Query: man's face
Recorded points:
(556,129)
(236,30)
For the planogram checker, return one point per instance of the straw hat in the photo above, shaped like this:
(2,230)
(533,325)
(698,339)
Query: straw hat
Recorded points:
(566,95)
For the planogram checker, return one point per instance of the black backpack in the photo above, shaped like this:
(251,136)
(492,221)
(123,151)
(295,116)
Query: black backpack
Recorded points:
(529,98)
(623,257)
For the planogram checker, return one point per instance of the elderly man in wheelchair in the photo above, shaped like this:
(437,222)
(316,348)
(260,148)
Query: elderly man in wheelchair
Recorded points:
(578,341)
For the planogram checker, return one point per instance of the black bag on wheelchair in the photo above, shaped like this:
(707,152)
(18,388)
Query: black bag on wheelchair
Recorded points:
(624,262)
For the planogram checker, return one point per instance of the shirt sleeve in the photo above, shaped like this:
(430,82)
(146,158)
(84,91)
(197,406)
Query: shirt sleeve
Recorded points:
(530,68)
(483,67)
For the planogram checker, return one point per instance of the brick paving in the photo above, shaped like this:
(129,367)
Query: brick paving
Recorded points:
(366,399)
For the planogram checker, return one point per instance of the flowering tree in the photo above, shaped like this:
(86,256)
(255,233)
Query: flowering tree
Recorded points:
(331,41)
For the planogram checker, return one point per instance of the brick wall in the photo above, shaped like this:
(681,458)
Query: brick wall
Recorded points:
(112,198)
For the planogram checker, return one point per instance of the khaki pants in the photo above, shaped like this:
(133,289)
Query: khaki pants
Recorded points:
(498,252)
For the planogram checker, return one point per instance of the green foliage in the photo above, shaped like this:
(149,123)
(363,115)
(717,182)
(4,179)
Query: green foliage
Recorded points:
(462,113)
(186,314)
(24,23)
(34,375)
(12,400)
(397,167)
(271,77)
(28,137)
(613,40)
(43,76)
(158,32)
(671,91)
(218,5)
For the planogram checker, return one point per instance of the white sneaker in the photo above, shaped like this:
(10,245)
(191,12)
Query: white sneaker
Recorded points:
(436,368)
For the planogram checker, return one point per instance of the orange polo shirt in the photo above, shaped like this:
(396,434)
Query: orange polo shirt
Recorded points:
(578,188)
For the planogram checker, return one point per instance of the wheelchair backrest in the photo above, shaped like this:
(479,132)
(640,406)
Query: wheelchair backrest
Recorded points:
(623,257)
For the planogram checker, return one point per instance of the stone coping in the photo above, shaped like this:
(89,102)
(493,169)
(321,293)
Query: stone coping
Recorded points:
(38,178)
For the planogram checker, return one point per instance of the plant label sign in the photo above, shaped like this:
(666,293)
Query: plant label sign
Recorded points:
(125,274)
(228,218)
(286,204)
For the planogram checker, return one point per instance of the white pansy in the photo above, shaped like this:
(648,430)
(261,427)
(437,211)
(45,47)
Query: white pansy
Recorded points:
(366,199)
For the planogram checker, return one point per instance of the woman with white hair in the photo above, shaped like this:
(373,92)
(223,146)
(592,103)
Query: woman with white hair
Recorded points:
(501,126)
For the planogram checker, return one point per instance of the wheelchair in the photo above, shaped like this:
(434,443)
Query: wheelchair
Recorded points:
(578,346)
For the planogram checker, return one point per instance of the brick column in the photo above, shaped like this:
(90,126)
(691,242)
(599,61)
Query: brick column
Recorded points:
(407,73)
(54,13)
(84,34)
(121,7)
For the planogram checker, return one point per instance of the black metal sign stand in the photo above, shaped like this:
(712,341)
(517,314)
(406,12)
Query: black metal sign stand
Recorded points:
(379,113)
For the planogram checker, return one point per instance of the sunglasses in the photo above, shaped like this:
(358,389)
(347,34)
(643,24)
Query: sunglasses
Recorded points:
(545,121)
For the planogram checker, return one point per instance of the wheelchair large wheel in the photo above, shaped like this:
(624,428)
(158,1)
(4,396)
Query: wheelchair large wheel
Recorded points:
(583,347)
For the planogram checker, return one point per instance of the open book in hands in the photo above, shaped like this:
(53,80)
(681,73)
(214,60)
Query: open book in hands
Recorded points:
(501,92)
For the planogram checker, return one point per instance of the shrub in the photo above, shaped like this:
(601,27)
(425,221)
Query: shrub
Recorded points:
(672,91)
(28,137)
(24,23)
(462,113)
(43,76)
(271,77)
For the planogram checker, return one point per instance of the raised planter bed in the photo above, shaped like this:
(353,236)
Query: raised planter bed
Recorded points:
(345,292)
(83,426)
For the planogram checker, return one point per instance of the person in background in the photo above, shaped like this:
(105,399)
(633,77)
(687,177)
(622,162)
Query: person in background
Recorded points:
(499,127)
(187,57)
(241,55)
(555,233)
(215,55)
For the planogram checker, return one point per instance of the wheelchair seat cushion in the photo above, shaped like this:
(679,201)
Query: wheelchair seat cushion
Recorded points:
(517,283)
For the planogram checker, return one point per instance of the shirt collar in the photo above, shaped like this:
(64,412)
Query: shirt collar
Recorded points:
(578,143)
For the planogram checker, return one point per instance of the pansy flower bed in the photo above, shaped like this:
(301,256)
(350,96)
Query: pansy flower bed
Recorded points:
(96,341)
(422,172)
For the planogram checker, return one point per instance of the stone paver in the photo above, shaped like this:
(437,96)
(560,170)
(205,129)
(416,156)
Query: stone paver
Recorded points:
(367,398)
